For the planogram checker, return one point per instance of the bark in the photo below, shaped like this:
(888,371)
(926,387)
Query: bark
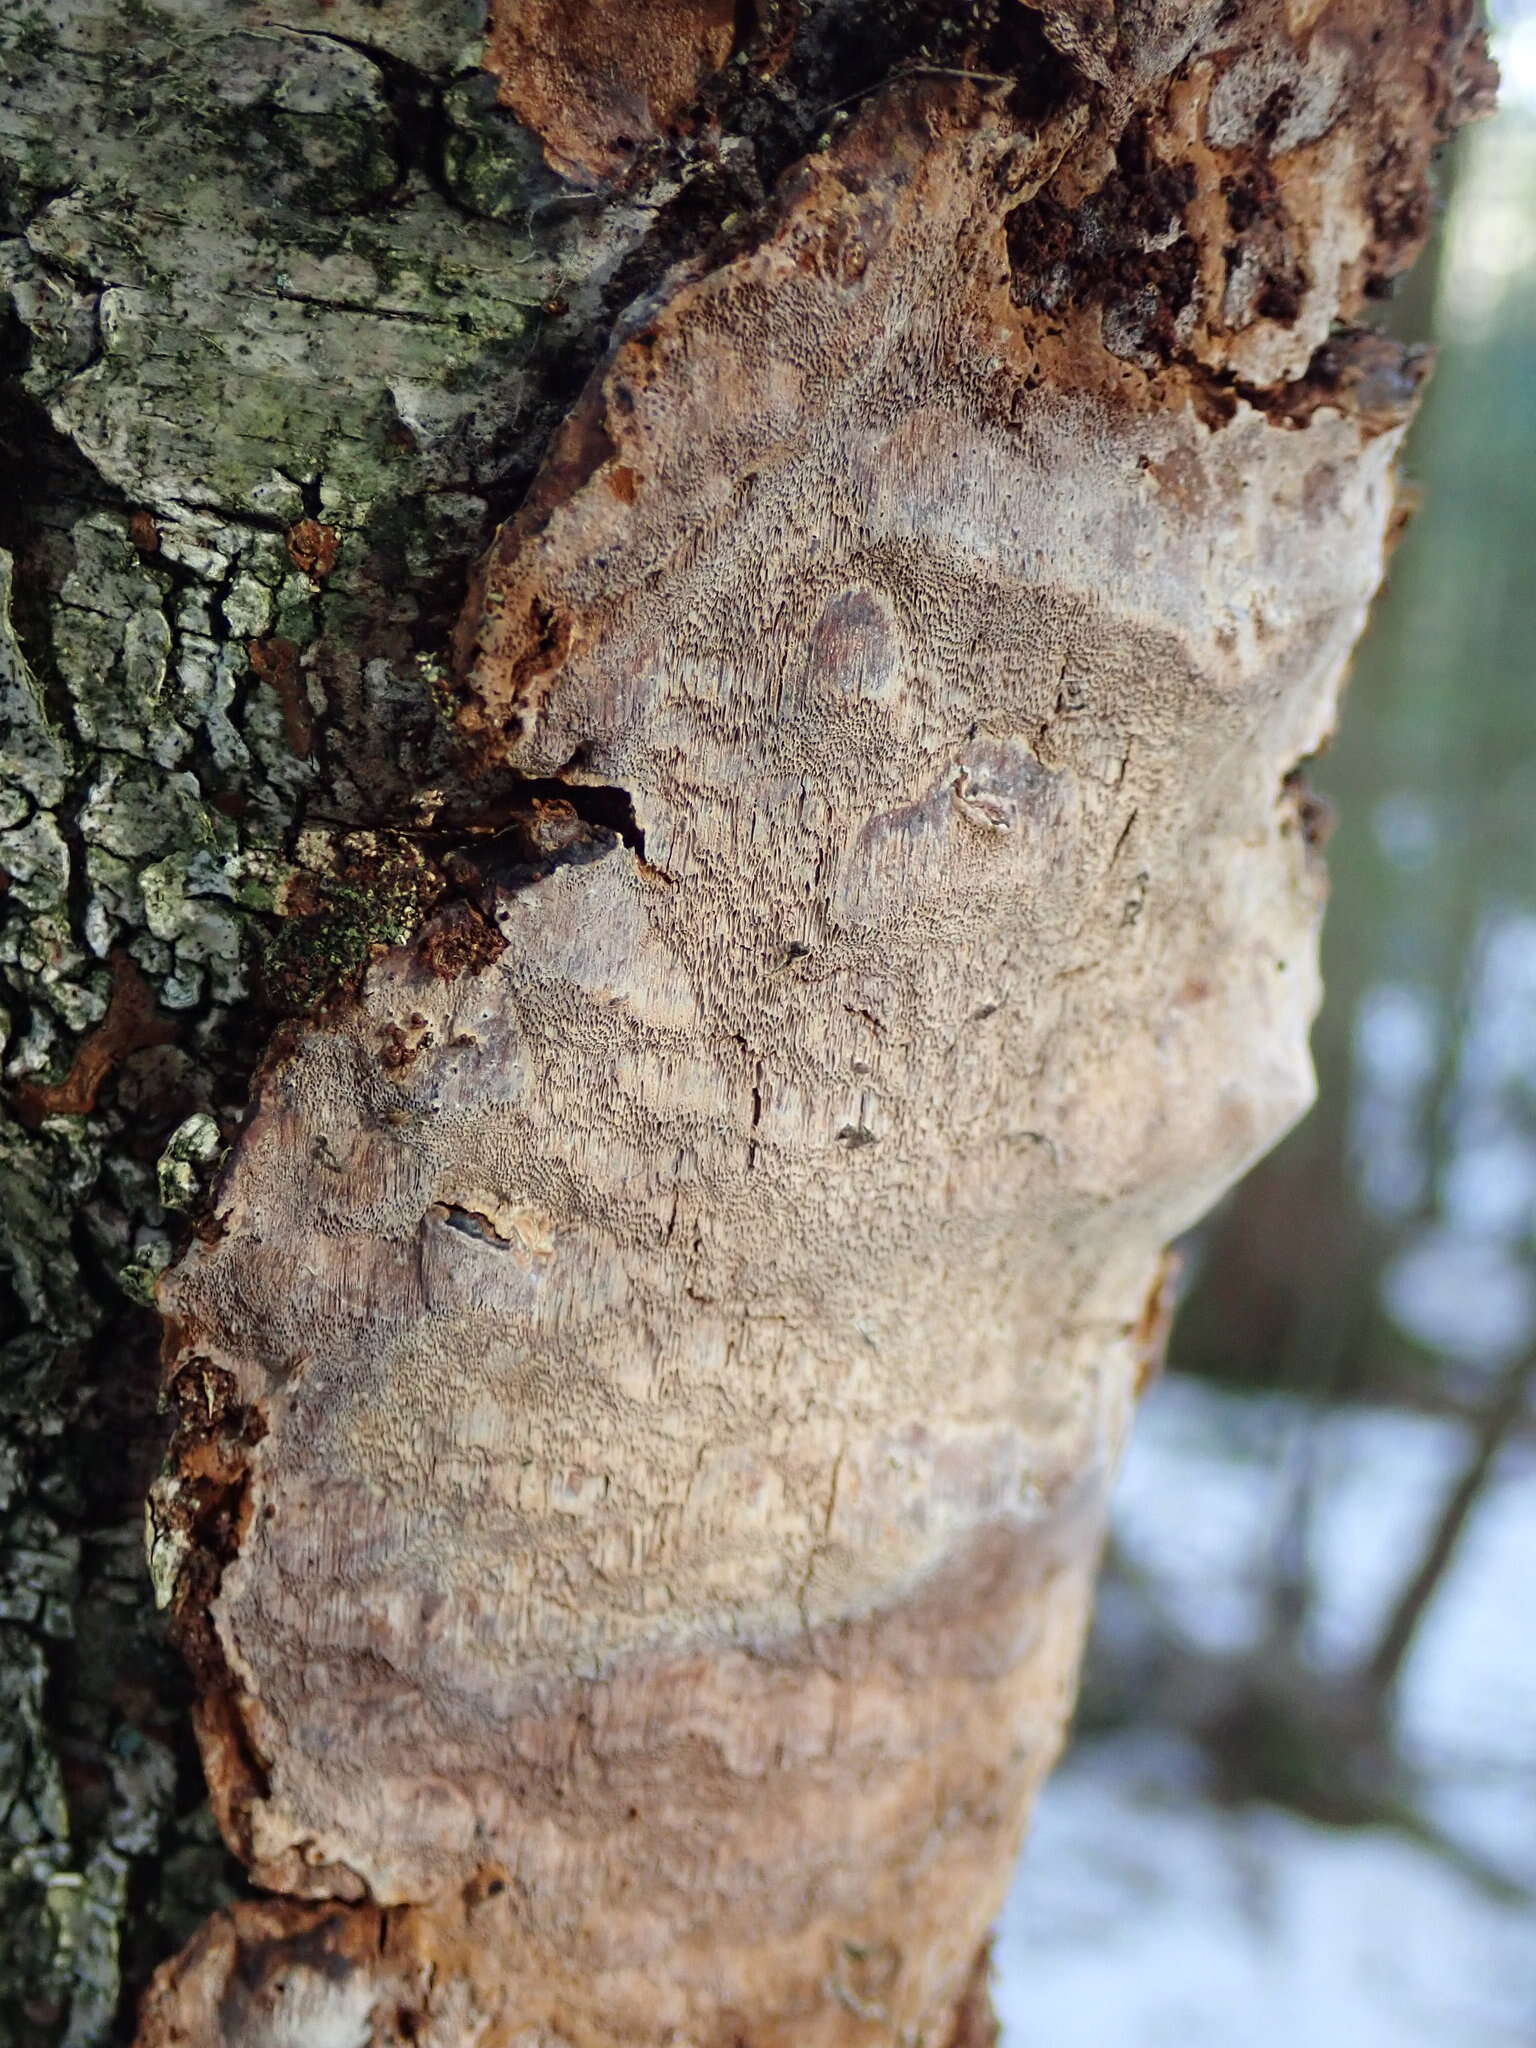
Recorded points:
(764,975)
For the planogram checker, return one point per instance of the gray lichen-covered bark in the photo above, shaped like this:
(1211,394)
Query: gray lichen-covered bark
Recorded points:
(290,304)
(297,297)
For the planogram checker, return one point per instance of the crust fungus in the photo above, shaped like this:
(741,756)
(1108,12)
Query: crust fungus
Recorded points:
(655,1585)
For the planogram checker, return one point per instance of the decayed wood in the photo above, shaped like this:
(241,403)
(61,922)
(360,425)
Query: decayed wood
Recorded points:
(646,1399)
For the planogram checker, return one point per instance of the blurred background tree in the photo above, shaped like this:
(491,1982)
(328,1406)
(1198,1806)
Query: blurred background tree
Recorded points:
(1334,1627)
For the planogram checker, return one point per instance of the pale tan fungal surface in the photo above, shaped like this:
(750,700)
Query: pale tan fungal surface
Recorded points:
(660,1385)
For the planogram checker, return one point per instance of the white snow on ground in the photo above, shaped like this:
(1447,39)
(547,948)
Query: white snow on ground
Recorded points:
(1143,1915)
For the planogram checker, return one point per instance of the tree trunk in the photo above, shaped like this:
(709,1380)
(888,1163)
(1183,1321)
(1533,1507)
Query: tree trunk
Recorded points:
(662,1085)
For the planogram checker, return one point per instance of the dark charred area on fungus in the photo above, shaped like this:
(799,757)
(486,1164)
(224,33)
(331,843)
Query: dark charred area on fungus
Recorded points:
(1258,222)
(459,940)
(1122,248)
(1310,813)
(1188,224)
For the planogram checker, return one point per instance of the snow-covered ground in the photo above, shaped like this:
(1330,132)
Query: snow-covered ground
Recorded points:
(1144,1915)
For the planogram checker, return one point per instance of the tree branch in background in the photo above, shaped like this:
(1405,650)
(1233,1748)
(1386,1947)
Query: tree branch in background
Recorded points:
(1506,1409)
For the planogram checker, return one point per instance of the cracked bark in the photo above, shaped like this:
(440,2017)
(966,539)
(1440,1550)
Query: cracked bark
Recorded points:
(711,1029)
